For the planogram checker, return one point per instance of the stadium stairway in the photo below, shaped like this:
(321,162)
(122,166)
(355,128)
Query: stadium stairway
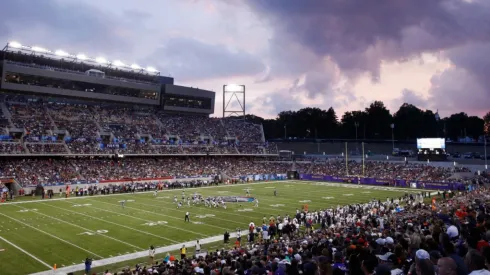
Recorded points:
(67,148)
(5,111)
(53,124)
(157,120)
(262,133)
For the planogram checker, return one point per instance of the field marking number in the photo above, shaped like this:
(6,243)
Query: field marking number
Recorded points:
(205,216)
(155,223)
(94,233)
(80,205)
(27,210)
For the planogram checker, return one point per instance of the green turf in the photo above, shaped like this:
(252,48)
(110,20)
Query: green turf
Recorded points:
(53,231)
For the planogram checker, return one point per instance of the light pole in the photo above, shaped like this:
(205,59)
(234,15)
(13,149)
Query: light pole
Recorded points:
(356,124)
(485,150)
(285,132)
(393,135)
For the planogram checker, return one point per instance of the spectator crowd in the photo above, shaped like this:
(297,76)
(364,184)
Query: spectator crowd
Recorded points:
(399,236)
(45,171)
(108,129)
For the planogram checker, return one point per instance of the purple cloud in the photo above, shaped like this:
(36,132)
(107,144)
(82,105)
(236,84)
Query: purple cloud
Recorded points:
(191,59)
(67,23)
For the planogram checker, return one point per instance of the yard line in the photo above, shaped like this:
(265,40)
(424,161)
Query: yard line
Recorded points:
(81,227)
(163,215)
(186,210)
(25,252)
(51,235)
(137,218)
(134,229)
(132,256)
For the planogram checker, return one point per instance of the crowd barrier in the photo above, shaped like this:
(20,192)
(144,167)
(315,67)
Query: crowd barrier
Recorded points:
(385,182)
(260,177)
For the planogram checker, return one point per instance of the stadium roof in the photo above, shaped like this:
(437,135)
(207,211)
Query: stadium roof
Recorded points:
(60,54)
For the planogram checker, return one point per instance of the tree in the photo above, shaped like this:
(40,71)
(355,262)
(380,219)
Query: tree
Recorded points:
(486,120)
(348,124)
(409,121)
(374,122)
(378,121)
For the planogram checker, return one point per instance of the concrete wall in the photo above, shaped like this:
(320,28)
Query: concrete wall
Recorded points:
(375,148)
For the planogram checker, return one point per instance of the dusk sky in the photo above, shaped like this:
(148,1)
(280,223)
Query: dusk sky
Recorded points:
(289,53)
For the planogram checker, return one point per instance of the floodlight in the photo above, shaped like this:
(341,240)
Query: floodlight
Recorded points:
(81,57)
(101,60)
(234,88)
(118,63)
(39,49)
(151,70)
(14,44)
(136,67)
(61,53)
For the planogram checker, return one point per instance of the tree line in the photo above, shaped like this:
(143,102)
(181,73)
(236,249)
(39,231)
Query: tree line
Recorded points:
(374,122)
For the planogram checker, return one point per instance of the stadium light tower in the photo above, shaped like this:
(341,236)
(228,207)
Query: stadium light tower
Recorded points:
(233,93)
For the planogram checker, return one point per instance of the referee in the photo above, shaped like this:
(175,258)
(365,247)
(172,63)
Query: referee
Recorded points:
(186,219)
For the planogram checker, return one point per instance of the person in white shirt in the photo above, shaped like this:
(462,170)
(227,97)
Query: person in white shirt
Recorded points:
(151,253)
(198,247)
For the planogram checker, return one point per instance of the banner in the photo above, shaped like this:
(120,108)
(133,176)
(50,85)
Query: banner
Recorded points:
(385,182)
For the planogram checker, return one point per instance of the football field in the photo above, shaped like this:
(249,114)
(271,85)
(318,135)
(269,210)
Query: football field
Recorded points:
(35,235)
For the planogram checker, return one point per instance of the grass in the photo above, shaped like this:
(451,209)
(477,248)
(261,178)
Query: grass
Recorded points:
(64,232)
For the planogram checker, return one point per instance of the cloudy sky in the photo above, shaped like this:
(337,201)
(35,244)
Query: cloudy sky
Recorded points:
(289,53)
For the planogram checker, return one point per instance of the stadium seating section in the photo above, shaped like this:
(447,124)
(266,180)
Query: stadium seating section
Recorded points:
(30,126)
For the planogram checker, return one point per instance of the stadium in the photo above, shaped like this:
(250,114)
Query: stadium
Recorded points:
(109,167)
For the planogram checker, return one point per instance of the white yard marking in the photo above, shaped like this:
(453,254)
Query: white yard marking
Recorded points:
(155,223)
(205,216)
(80,205)
(245,210)
(303,201)
(120,225)
(153,213)
(327,198)
(102,231)
(348,195)
(88,230)
(175,210)
(278,205)
(51,235)
(25,252)
(27,210)
(172,205)
(366,192)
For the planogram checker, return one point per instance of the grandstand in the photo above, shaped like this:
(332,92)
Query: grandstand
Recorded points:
(100,149)
(54,103)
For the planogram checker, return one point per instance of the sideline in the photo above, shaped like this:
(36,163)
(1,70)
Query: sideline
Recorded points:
(132,256)
(145,192)
(25,252)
